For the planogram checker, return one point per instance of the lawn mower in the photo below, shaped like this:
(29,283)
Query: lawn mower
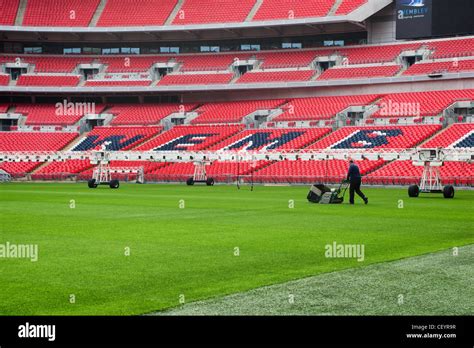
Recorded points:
(320,193)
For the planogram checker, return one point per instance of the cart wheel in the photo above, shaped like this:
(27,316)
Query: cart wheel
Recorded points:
(190,182)
(91,183)
(448,191)
(413,191)
(114,184)
(210,182)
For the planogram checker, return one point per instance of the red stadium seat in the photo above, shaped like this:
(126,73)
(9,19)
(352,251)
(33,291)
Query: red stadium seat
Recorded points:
(222,11)
(135,12)
(440,67)
(191,138)
(452,136)
(358,73)
(232,112)
(377,137)
(35,141)
(195,79)
(48,80)
(276,76)
(8,10)
(290,9)
(320,108)
(132,114)
(273,139)
(59,13)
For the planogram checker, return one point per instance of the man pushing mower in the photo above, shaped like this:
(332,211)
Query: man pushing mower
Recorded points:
(355,180)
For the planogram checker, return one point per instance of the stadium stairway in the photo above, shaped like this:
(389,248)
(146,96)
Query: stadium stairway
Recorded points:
(21,12)
(335,7)
(254,10)
(174,13)
(146,141)
(431,137)
(74,142)
(39,167)
(98,13)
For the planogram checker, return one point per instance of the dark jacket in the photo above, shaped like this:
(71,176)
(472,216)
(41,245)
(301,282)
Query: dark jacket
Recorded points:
(354,172)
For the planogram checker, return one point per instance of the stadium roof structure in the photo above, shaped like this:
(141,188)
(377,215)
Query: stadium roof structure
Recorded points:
(352,22)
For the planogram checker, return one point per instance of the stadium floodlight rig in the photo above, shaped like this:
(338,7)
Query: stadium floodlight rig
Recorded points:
(4,176)
(431,160)
(200,174)
(102,175)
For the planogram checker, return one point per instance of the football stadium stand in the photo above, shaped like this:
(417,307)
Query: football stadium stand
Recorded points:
(8,11)
(291,9)
(375,54)
(232,112)
(358,73)
(196,79)
(273,76)
(405,173)
(395,137)
(311,171)
(318,108)
(37,114)
(192,95)
(132,114)
(61,170)
(347,6)
(49,114)
(52,64)
(220,171)
(112,83)
(458,135)
(359,62)
(64,13)
(116,138)
(4,79)
(452,48)
(207,62)
(452,66)
(192,138)
(222,11)
(289,59)
(133,13)
(126,64)
(35,141)
(48,80)
(19,169)
(119,13)
(427,103)
(272,139)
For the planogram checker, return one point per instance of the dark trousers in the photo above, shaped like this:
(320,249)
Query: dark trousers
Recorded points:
(355,187)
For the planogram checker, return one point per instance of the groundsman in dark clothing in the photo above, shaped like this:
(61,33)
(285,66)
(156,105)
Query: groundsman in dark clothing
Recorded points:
(355,180)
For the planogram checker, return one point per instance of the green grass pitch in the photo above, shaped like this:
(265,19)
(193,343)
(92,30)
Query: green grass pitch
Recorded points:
(196,243)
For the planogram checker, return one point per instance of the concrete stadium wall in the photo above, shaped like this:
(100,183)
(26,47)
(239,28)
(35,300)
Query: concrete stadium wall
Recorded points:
(249,94)
(381,27)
